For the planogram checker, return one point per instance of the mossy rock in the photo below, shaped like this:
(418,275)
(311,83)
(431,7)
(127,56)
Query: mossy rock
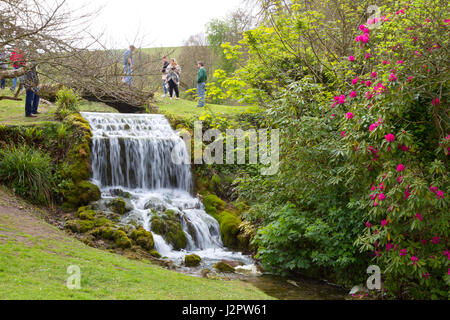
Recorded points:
(121,239)
(82,194)
(229,229)
(155,254)
(169,226)
(213,201)
(104,233)
(192,260)
(121,193)
(118,206)
(86,215)
(80,226)
(103,222)
(224,267)
(143,238)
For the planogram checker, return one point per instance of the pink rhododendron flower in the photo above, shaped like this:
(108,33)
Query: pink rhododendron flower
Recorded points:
(426,275)
(369,95)
(353,94)
(392,77)
(384,223)
(343,134)
(419,217)
(355,81)
(390,137)
(368,83)
(351,58)
(400,179)
(373,196)
(389,246)
(368,225)
(340,99)
(436,240)
(375,204)
(434,189)
(403,252)
(436,102)
(414,260)
(349,115)
(374,75)
(381,197)
(440,194)
(400,62)
(385,62)
(333,116)
(400,167)
(368,56)
(373,188)
(410,79)
(404,148)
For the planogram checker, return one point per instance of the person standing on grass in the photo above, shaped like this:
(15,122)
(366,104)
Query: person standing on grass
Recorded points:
(31,83)
(173,78)
(202,77)
(128,65)
(164,74)
(3,67)
(18,62)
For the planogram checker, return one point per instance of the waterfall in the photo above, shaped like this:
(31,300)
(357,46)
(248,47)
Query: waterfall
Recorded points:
(133,153)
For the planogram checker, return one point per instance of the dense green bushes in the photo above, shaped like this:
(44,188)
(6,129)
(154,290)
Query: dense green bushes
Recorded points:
(29,172)
(67,103)
(365,142)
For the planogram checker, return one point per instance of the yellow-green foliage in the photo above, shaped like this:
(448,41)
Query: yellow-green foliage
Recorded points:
(192,260)
(143,238)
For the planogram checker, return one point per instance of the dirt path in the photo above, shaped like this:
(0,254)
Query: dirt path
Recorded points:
(17,218)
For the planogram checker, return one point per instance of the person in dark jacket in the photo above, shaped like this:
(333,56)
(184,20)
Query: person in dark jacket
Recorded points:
(164,75)
(173,78)
(202,77)
(31,83)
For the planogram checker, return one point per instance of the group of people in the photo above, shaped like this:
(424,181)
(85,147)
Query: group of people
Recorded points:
(29,80)
(171,73)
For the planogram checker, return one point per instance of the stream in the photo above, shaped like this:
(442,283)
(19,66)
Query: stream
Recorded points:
(132,155)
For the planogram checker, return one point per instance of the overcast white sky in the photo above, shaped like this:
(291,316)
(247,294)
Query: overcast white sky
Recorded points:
(159,23)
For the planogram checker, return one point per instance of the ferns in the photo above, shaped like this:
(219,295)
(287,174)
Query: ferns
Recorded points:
(28,172)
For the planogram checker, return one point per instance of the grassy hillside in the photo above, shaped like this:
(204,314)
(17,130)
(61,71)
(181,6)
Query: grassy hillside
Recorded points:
(13,112)
(34,257)
(187,109)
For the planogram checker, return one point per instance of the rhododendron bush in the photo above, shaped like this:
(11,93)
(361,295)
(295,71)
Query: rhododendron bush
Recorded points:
(364,177)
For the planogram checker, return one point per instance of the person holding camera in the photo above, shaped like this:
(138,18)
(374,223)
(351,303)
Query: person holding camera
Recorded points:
(173,78)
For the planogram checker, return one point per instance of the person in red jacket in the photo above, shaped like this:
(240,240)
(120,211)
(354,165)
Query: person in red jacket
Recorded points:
(18,62)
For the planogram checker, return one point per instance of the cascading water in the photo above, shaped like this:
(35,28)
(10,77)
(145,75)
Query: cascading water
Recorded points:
(133,154)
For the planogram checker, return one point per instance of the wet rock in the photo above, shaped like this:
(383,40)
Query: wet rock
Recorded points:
(205,273)
(250,270)
(119,206)
(192,260)
(120,193)
(234,264)
(156,204)
(224,268)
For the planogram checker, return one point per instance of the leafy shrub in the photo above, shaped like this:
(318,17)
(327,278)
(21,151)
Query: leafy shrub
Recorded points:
(28,172)
(67,103)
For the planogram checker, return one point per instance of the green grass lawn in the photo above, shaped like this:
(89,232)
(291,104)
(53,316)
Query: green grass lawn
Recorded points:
(13,112)
(186,109)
